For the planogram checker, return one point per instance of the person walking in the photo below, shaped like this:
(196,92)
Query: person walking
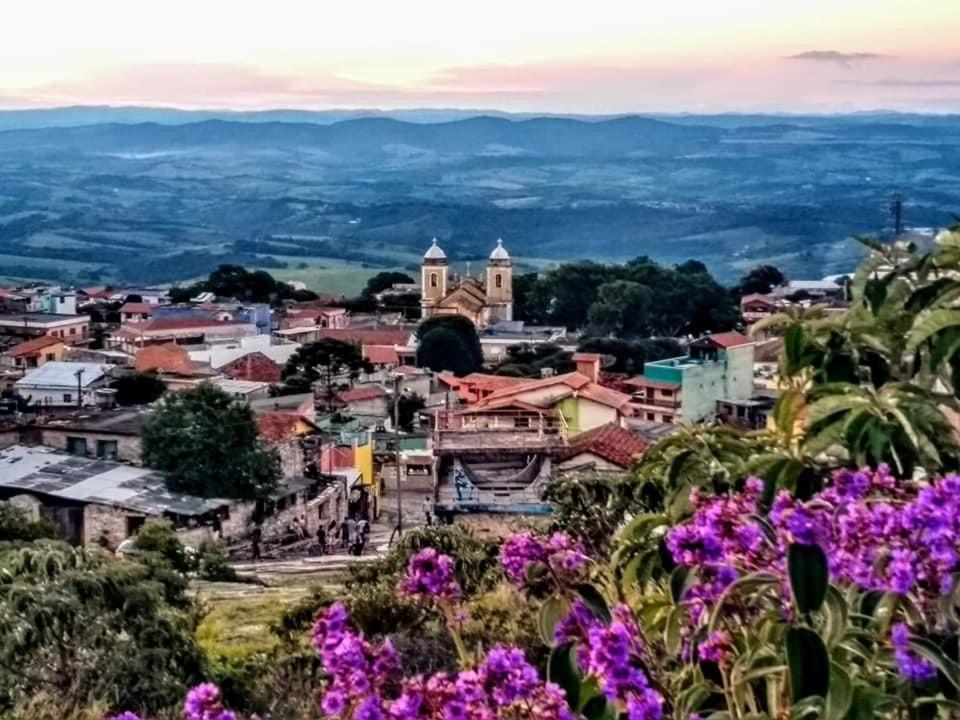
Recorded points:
(255,537)
(322,539)
(428,511)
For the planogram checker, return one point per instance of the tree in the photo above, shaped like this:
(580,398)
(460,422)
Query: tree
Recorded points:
(622,309)
(629,356)
(208,445)
(138,389)
(326,362)
(449,342)
(16,526)
(82,628)
(384,281)
(760,279)
(409,406)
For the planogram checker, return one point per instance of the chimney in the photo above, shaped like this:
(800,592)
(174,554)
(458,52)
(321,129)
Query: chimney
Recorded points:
(588,364)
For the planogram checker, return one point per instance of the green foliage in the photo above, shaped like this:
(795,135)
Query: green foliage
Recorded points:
(235,281)
(760,279)
(86,627)
(449,342)
(16,526)
(157,537)
(530,360)
(409,406)
(807,566)
(327,362)
(639,298)
(384,281)
(629,356)
(213,565)
(593,506)
(208,445)
(138,389)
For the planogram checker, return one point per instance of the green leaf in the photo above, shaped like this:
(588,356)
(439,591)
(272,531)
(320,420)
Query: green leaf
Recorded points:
(840,694)
(930,323)
(562,670)
(809,664)
(594,600)
(807,565)
(597,708)
(930,651)
(552,612)
(680,581)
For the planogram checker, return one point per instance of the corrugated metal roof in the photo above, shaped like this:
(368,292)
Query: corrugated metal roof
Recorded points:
(62,374)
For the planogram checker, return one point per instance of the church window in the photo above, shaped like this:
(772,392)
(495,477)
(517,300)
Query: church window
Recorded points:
(434,280)
(499,280)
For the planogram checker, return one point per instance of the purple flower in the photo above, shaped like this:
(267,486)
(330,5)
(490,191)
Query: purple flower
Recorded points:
(562,555)
(430,576)
(911,665)
(717,648)
(648,705)
(124,716)
(204,703)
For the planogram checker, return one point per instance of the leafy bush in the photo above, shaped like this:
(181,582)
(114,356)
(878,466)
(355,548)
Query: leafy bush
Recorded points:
(16,526)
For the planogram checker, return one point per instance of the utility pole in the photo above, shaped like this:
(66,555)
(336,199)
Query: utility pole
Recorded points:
(79,374)
(397,381)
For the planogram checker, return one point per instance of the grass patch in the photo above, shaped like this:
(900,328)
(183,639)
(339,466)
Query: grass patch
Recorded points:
(240,627)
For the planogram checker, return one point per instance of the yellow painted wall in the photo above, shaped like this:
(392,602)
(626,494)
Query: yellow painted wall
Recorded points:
(363,461)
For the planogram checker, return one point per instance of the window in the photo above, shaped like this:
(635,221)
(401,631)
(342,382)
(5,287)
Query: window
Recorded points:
(434,280)
(107,449)
(50,357)
(668,419)
(498,281)
(67,397)
(77,446)
(73,331)
(651,416)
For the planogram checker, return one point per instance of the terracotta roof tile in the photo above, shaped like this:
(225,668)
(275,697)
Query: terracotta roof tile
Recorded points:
(367,336)
(140,308)
(277,426)
(381,354)
(726,339)
(610,442)
(33,345)
(358,394)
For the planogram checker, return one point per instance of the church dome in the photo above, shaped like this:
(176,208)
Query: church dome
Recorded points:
(499,252)
(434,252)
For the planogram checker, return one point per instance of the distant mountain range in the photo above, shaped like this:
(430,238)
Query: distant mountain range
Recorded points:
(90,192)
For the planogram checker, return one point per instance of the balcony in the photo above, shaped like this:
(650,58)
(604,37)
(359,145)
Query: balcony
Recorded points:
(658,403)
(501,430)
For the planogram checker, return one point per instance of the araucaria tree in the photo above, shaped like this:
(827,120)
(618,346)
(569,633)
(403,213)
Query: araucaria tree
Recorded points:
(326,363)
(208,445)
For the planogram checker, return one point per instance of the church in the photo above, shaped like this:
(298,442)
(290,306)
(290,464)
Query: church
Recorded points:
(484,300)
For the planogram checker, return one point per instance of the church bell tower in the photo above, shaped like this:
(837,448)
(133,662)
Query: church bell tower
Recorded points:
(499,284)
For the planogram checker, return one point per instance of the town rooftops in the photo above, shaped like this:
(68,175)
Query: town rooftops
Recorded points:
(33,345)
(360,394)
(725,340)
(610,442)
(573,383)
(62,375)
(239,387)
(276,426)
(119,421)
(165,324)
(381,354)
(137,308)
(368,336)
(40,319)
(90,480)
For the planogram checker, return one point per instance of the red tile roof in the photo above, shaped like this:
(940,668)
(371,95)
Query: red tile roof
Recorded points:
(610,442)
(139,308)
(381,354)
(358,394)
(757,297)
(367,336)
(277,426)
(575,383)
(33,345)
(727,339)
(169,358)
(178,323)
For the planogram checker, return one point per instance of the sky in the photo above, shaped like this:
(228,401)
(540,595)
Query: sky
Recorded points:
(592,56)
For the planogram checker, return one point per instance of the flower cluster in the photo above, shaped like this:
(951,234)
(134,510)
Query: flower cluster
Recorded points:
(204,703)
(919,527)
(430,576)
(912,667)
(365,684)
(560,554)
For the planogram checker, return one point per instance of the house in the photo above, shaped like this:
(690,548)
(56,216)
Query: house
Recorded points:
(368,400)
(382,357)
(578,397)
(602,449)
(497,339)
(484,301)
(179,330)
(62,384)
(172,364)
(312,315)
(259,358)
(97,502)
(282,431)
(755,307)
(148,295)
(34,352)
(136,311)
(393,335)
(108,434)
(686,389)
(812,288)
(72,329)
(477,386)
(242,390)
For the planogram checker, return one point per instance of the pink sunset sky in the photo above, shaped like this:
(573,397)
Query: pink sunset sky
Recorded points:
(602,56)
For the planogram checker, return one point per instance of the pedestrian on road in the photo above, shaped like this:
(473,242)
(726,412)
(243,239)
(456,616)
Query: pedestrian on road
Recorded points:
(428,511)
(255,537)
(322,540)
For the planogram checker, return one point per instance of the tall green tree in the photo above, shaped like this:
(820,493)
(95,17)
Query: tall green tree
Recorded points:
(384,281)
(449,342)
(327,363)
(138,389)
(208,445)
(759,279)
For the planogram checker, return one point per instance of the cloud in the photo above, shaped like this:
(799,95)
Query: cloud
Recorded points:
(835,57)
(906,82)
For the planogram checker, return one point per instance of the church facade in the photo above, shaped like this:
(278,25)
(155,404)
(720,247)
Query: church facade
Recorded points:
(485,300)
